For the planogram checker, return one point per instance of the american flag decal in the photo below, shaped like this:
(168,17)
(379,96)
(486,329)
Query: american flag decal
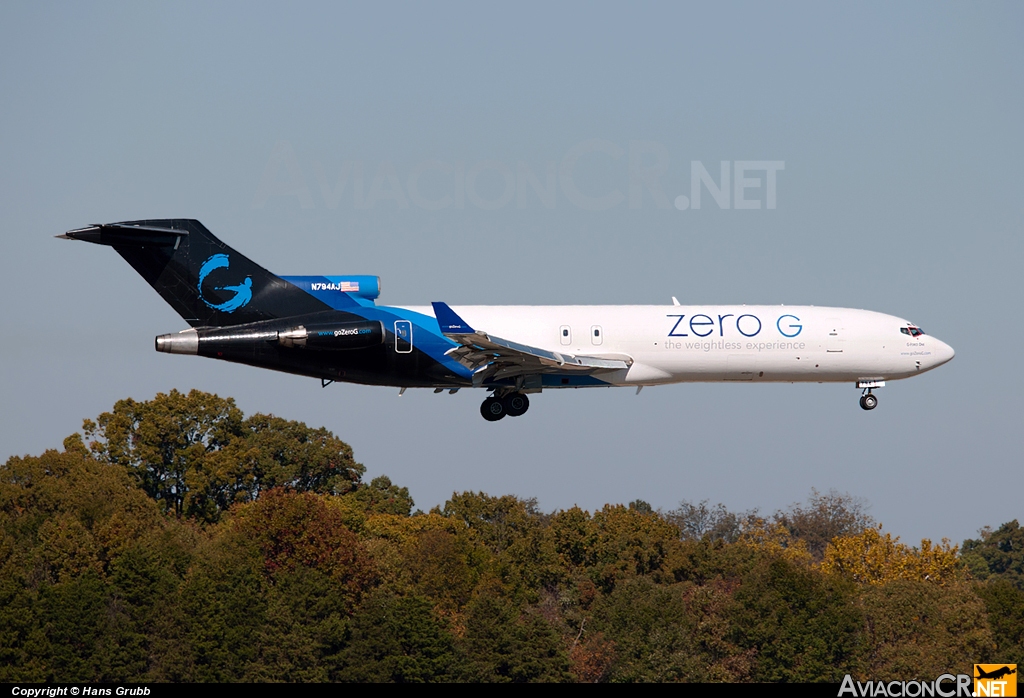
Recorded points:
(350,286)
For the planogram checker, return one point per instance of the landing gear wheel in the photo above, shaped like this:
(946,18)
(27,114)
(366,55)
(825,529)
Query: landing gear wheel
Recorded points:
(493,409)
(516,404)
(868,402)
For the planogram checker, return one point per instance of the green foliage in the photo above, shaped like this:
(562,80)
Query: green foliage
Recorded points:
(222,611)
(270,595)
(629,543)
(915,629)
(382,497)
(1004,604)
(641,506)
(444,567)
(506,643)
(499,522)
(512,529)
(96,504)
(675,632)
(399,640)
(706,561)
(196,454)
(74,606)
(163,442)
(23,647)
(614,544)
(997,554)
(803,625)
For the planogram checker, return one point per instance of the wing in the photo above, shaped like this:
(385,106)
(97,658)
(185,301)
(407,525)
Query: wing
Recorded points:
(493,358)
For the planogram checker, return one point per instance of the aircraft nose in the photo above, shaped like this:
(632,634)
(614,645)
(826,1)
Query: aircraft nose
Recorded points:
(943,352)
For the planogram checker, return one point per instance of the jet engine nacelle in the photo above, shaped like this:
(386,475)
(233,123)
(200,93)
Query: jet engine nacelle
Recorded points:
(334,336)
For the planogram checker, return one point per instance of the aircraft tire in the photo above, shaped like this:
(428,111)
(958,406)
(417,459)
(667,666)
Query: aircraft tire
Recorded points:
(868,402)
(492,409)
(516,404)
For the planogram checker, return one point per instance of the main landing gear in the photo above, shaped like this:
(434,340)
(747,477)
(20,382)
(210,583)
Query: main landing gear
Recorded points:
(511,404)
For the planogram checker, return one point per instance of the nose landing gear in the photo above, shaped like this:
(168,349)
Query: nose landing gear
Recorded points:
(511,404)
(869,401)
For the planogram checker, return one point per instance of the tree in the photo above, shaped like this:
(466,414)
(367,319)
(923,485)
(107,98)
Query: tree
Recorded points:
(574,538)
(223,610)
(502,643)
(278,452)
(75,602)
(498,522)
(615,544)
(101,499)
(382,497)
(513,530)
(915,629)
(162,441)
(873,558)
(444,567)
(997,554)
(825,517)
(270,594)
(197,455)
(641,506)
(629,543)
(396,639)
(666,632)
(700,521)
(774,539)
(294,530)
(803,626)
(1004,603)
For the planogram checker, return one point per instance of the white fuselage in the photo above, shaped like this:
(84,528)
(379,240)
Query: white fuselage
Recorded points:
(686,343)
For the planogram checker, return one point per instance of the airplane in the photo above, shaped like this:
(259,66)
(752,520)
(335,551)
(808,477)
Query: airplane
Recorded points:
(330,327)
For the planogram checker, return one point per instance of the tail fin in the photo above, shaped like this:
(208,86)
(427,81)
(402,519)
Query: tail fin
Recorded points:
(204,280)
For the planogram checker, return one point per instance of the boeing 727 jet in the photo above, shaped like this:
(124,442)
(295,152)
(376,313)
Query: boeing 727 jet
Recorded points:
(330,327)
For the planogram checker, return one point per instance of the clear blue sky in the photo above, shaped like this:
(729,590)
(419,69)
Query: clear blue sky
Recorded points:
(899,126)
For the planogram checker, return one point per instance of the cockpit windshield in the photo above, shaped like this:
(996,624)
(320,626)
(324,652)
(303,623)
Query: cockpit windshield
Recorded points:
(912,331)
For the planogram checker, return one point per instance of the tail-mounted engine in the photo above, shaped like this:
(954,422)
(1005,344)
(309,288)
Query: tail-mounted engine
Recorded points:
(334,336)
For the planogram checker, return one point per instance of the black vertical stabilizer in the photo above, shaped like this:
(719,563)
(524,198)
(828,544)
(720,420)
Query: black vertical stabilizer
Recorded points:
(204,280)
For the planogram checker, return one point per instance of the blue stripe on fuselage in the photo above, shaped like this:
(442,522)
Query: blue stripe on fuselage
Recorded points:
(427,335)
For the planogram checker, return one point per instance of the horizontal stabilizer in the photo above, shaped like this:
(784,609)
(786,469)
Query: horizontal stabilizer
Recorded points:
(120,235)
(205,281)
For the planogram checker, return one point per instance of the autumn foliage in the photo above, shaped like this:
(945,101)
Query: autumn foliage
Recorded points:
(179,540)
